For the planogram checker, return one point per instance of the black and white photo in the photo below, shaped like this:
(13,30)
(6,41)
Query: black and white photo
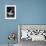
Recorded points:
(10,12)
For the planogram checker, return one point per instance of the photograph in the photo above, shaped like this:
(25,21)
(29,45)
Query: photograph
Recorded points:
(10,12)
(30,33)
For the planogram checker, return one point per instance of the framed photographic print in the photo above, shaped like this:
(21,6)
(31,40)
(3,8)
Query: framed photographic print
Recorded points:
(33,32)
(10,12)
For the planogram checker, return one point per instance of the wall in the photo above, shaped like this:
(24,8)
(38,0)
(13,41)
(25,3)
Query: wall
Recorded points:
(27,12)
